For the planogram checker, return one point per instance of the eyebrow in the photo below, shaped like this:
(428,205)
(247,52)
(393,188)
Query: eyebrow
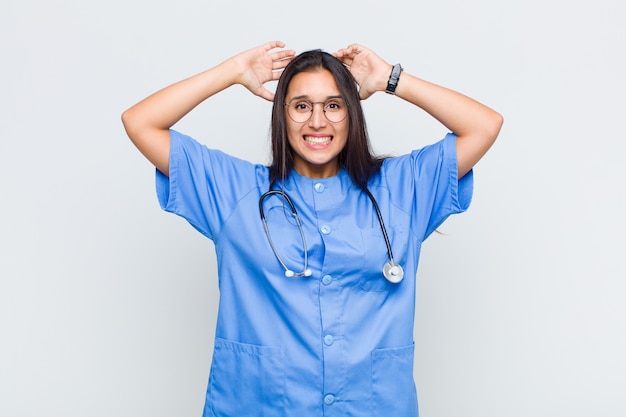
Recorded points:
(305,96)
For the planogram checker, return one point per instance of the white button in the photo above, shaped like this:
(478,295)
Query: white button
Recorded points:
(328,340)
(327,279)
(319,187)
(326,229)
(329,399)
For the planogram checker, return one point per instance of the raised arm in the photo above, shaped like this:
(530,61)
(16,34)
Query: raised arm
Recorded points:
(147,123)
(475,125)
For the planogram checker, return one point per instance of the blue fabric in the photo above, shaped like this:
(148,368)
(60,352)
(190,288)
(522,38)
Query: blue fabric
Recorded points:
(339,342)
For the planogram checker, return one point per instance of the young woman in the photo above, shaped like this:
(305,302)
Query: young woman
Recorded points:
(317,253)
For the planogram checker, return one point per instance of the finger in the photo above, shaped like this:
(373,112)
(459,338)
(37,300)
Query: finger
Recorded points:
(282,55)
(349,50)
(342,56)
(276,65)
(276,75)
(348,57)
(274,44)
(355,48)
(342,53)
(347,63)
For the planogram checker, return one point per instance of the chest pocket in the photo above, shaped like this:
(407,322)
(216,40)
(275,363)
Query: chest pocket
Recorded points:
(375,255)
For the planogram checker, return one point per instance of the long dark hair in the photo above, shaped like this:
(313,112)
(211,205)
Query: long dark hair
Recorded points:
(356,157)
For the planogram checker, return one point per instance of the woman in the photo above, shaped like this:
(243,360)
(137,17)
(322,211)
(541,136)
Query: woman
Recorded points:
(317,254)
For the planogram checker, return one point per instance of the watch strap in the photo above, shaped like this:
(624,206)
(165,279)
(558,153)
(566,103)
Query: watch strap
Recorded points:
(393,79)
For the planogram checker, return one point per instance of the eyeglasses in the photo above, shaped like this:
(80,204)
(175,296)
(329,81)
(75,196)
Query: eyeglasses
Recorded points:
(300,110)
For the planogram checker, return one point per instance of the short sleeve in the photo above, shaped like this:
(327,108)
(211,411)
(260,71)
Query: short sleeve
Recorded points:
(204,185)
(425,184)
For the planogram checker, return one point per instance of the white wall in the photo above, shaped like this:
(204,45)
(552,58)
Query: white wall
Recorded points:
(107,304)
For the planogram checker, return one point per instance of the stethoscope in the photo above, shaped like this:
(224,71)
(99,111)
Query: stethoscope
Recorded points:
(391,269)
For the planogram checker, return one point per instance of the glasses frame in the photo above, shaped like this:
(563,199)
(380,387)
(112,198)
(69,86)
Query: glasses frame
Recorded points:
(313,103)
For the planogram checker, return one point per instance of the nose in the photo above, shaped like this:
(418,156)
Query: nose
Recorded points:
(318,118)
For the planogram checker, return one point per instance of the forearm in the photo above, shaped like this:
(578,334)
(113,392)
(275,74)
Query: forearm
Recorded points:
(147,123)
(161,110)
(475,125)
(457,112)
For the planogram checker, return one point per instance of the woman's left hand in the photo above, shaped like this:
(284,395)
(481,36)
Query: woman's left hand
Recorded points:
(369,70)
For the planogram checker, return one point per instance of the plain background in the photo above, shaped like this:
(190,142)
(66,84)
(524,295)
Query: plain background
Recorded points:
(108,304)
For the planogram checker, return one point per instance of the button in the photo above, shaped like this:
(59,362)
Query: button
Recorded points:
(328,340)
(326,229)
(319,187)
(327,279)
(329,399)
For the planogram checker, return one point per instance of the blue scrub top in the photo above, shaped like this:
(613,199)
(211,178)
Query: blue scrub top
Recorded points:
(337,343)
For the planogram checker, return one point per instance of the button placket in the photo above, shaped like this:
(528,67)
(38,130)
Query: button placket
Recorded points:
(331,297)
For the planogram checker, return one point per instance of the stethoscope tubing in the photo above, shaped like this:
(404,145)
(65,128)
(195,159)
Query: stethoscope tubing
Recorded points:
(391,270)
(382,224)
(288,272)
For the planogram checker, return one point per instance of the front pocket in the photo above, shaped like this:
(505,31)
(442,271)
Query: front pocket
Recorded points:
(246,380)
(393,388)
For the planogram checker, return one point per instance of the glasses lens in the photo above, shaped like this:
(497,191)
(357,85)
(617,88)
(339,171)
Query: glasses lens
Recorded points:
(335,110)
(300,111)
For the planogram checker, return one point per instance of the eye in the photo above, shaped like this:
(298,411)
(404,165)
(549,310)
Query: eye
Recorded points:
(334,105)
(302,106)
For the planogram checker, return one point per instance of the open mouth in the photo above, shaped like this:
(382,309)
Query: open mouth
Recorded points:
(318,140)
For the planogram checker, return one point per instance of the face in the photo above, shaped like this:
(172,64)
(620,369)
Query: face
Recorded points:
(317,142)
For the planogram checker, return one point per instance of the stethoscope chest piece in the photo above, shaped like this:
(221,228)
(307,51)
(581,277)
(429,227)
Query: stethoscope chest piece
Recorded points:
(393,272)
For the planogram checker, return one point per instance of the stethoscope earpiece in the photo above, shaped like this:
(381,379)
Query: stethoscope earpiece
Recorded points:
(290,274)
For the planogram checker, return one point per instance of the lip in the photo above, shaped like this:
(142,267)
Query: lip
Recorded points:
(318,141)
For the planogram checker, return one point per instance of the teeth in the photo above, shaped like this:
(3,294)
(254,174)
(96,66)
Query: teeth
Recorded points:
(317,140)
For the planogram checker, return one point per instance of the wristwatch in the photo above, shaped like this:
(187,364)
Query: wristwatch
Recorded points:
(393,79)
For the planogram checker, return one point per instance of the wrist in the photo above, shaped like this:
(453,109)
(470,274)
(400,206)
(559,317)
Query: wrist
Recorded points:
(232,71)
(394,77)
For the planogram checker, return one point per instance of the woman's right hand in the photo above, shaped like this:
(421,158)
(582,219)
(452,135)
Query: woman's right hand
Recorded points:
(260,65)
(148,122)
